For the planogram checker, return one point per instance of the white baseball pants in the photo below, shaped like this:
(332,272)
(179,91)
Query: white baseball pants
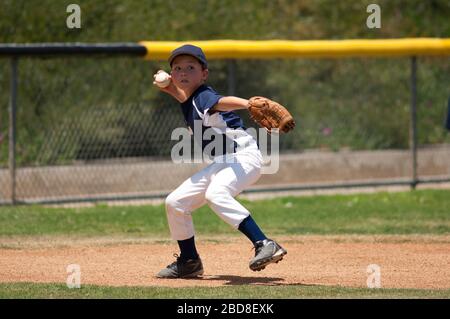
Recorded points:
(215,185)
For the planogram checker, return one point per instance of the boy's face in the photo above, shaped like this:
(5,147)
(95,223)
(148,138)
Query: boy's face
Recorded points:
(188,73)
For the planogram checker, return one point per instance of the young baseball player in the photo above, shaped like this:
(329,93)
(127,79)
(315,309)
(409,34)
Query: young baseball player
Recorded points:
(235,168)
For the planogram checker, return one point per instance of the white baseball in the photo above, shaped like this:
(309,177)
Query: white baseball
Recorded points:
(162,79)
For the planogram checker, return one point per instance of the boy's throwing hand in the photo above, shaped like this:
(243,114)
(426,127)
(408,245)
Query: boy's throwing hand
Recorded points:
(161,79)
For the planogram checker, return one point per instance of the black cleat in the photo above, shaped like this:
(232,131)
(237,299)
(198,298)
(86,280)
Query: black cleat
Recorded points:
(181,268)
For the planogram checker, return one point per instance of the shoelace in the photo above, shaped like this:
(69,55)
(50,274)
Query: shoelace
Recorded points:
(175,262)
(257,249)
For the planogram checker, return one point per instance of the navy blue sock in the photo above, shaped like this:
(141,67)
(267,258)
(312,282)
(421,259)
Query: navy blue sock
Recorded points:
(187,248)
(249,228)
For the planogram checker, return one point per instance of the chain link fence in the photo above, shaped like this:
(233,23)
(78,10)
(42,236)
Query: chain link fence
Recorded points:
(95,129)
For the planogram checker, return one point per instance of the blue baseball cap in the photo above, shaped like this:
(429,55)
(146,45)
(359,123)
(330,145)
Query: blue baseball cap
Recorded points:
(191,50)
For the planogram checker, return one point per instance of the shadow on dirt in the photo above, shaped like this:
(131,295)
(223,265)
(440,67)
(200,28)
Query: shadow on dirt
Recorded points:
(243,280)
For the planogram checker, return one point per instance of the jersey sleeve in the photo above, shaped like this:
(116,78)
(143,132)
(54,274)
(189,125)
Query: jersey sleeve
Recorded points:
(205,100)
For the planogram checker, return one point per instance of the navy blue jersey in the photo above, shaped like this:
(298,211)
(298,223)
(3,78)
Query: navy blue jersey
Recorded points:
(226,125)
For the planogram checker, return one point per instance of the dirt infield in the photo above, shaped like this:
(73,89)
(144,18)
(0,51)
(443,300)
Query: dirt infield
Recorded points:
(405,261)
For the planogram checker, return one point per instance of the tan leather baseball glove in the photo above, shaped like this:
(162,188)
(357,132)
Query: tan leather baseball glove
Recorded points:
(270,114)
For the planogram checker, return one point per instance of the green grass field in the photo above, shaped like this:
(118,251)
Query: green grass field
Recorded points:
(424,212)
(33,290)
(418,212)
